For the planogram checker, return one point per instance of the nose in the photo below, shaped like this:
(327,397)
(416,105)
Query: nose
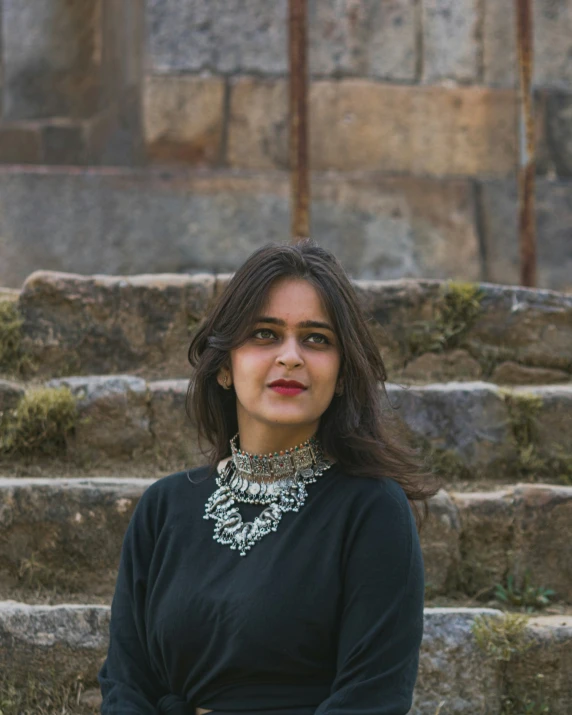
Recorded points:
(289,354)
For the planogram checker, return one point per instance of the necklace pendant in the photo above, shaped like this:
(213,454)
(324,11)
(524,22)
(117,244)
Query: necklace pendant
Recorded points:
(289,473)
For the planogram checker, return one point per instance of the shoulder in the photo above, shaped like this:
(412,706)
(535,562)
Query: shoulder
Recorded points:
(379,519)
(376,495)
(171,489)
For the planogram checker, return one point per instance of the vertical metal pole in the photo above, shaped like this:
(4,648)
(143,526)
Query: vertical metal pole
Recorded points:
(299,181)
(526,168)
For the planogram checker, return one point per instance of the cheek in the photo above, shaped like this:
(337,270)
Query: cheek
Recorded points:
(325,369)
(249,364)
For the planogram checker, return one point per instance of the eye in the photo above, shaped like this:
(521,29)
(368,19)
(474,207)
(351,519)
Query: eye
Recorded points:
(322,339)
(263,330)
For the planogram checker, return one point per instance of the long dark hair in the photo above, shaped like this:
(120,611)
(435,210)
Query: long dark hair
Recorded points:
(357,429)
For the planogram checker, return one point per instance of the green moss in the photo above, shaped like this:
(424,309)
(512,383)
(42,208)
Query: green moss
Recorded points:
(40,424)
(13,361)
(523,409)
(502,638)
(446,464)
(10,336)
(458,307)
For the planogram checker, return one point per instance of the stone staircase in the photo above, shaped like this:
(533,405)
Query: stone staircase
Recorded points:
(92,411)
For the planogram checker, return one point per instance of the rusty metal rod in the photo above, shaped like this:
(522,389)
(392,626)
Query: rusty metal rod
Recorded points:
(299,180)
(526,160)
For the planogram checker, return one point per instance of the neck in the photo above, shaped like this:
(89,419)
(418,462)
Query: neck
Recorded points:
(272,441)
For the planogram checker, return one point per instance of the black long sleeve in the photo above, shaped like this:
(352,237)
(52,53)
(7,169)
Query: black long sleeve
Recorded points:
(128,684)
(323,616)
(382,621)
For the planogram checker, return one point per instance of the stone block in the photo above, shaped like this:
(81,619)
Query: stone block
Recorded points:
(390,46)
(499,212)
(50,58)
(440,367)
(472,683)
(469,420)
(365,38)
(184,118)
(440,539)
(542,539)
(113,416)
(113,323)
(551,420)
(552,23)
(362,125)
(174,433)
(56,645)
(65,534)
(20,144)
(558,130)
(487,547)
(519,323)
(451,40)
(213,221)
(115,134)
(511,373)
(245,36)
(113,139)
(64,143)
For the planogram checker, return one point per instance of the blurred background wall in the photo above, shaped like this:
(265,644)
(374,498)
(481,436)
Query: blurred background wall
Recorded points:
(151,136)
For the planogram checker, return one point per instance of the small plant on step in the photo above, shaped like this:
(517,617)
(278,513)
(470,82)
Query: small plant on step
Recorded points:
(502,637)
(458,307)
(529,597)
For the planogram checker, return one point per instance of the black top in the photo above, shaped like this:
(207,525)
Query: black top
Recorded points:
(323,616)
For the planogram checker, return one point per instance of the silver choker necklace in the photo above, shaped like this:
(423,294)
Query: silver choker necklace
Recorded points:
(278,480)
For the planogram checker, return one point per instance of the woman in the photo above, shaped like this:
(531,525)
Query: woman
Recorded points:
(306,594)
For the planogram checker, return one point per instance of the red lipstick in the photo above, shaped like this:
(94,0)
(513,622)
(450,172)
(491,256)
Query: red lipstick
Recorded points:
(287,387)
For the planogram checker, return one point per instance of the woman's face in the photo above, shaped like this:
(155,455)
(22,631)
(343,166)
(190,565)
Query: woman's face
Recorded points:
(292,340)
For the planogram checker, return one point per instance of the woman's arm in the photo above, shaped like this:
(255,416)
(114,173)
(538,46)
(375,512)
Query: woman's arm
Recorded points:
(128,684)
(382,620)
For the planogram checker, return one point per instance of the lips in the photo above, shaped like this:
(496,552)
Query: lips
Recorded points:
(294,384)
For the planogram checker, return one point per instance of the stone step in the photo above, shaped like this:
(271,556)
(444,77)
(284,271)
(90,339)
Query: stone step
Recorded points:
(457,675)
(427,330)
(469,430)
(65,536)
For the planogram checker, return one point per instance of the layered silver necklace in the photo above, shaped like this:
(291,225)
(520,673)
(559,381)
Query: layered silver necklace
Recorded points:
(278,480)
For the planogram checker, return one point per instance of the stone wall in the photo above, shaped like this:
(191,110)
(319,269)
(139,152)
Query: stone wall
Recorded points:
(421,88)
(413,136)
(71,81)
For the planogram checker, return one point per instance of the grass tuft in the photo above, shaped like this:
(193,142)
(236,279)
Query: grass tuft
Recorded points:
(36,696)
(501,638)
(40,424)
(458,307)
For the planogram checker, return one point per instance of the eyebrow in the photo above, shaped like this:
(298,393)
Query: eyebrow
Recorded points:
(303,324)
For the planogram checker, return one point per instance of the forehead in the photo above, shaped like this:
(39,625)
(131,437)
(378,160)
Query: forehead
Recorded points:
(294,297)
